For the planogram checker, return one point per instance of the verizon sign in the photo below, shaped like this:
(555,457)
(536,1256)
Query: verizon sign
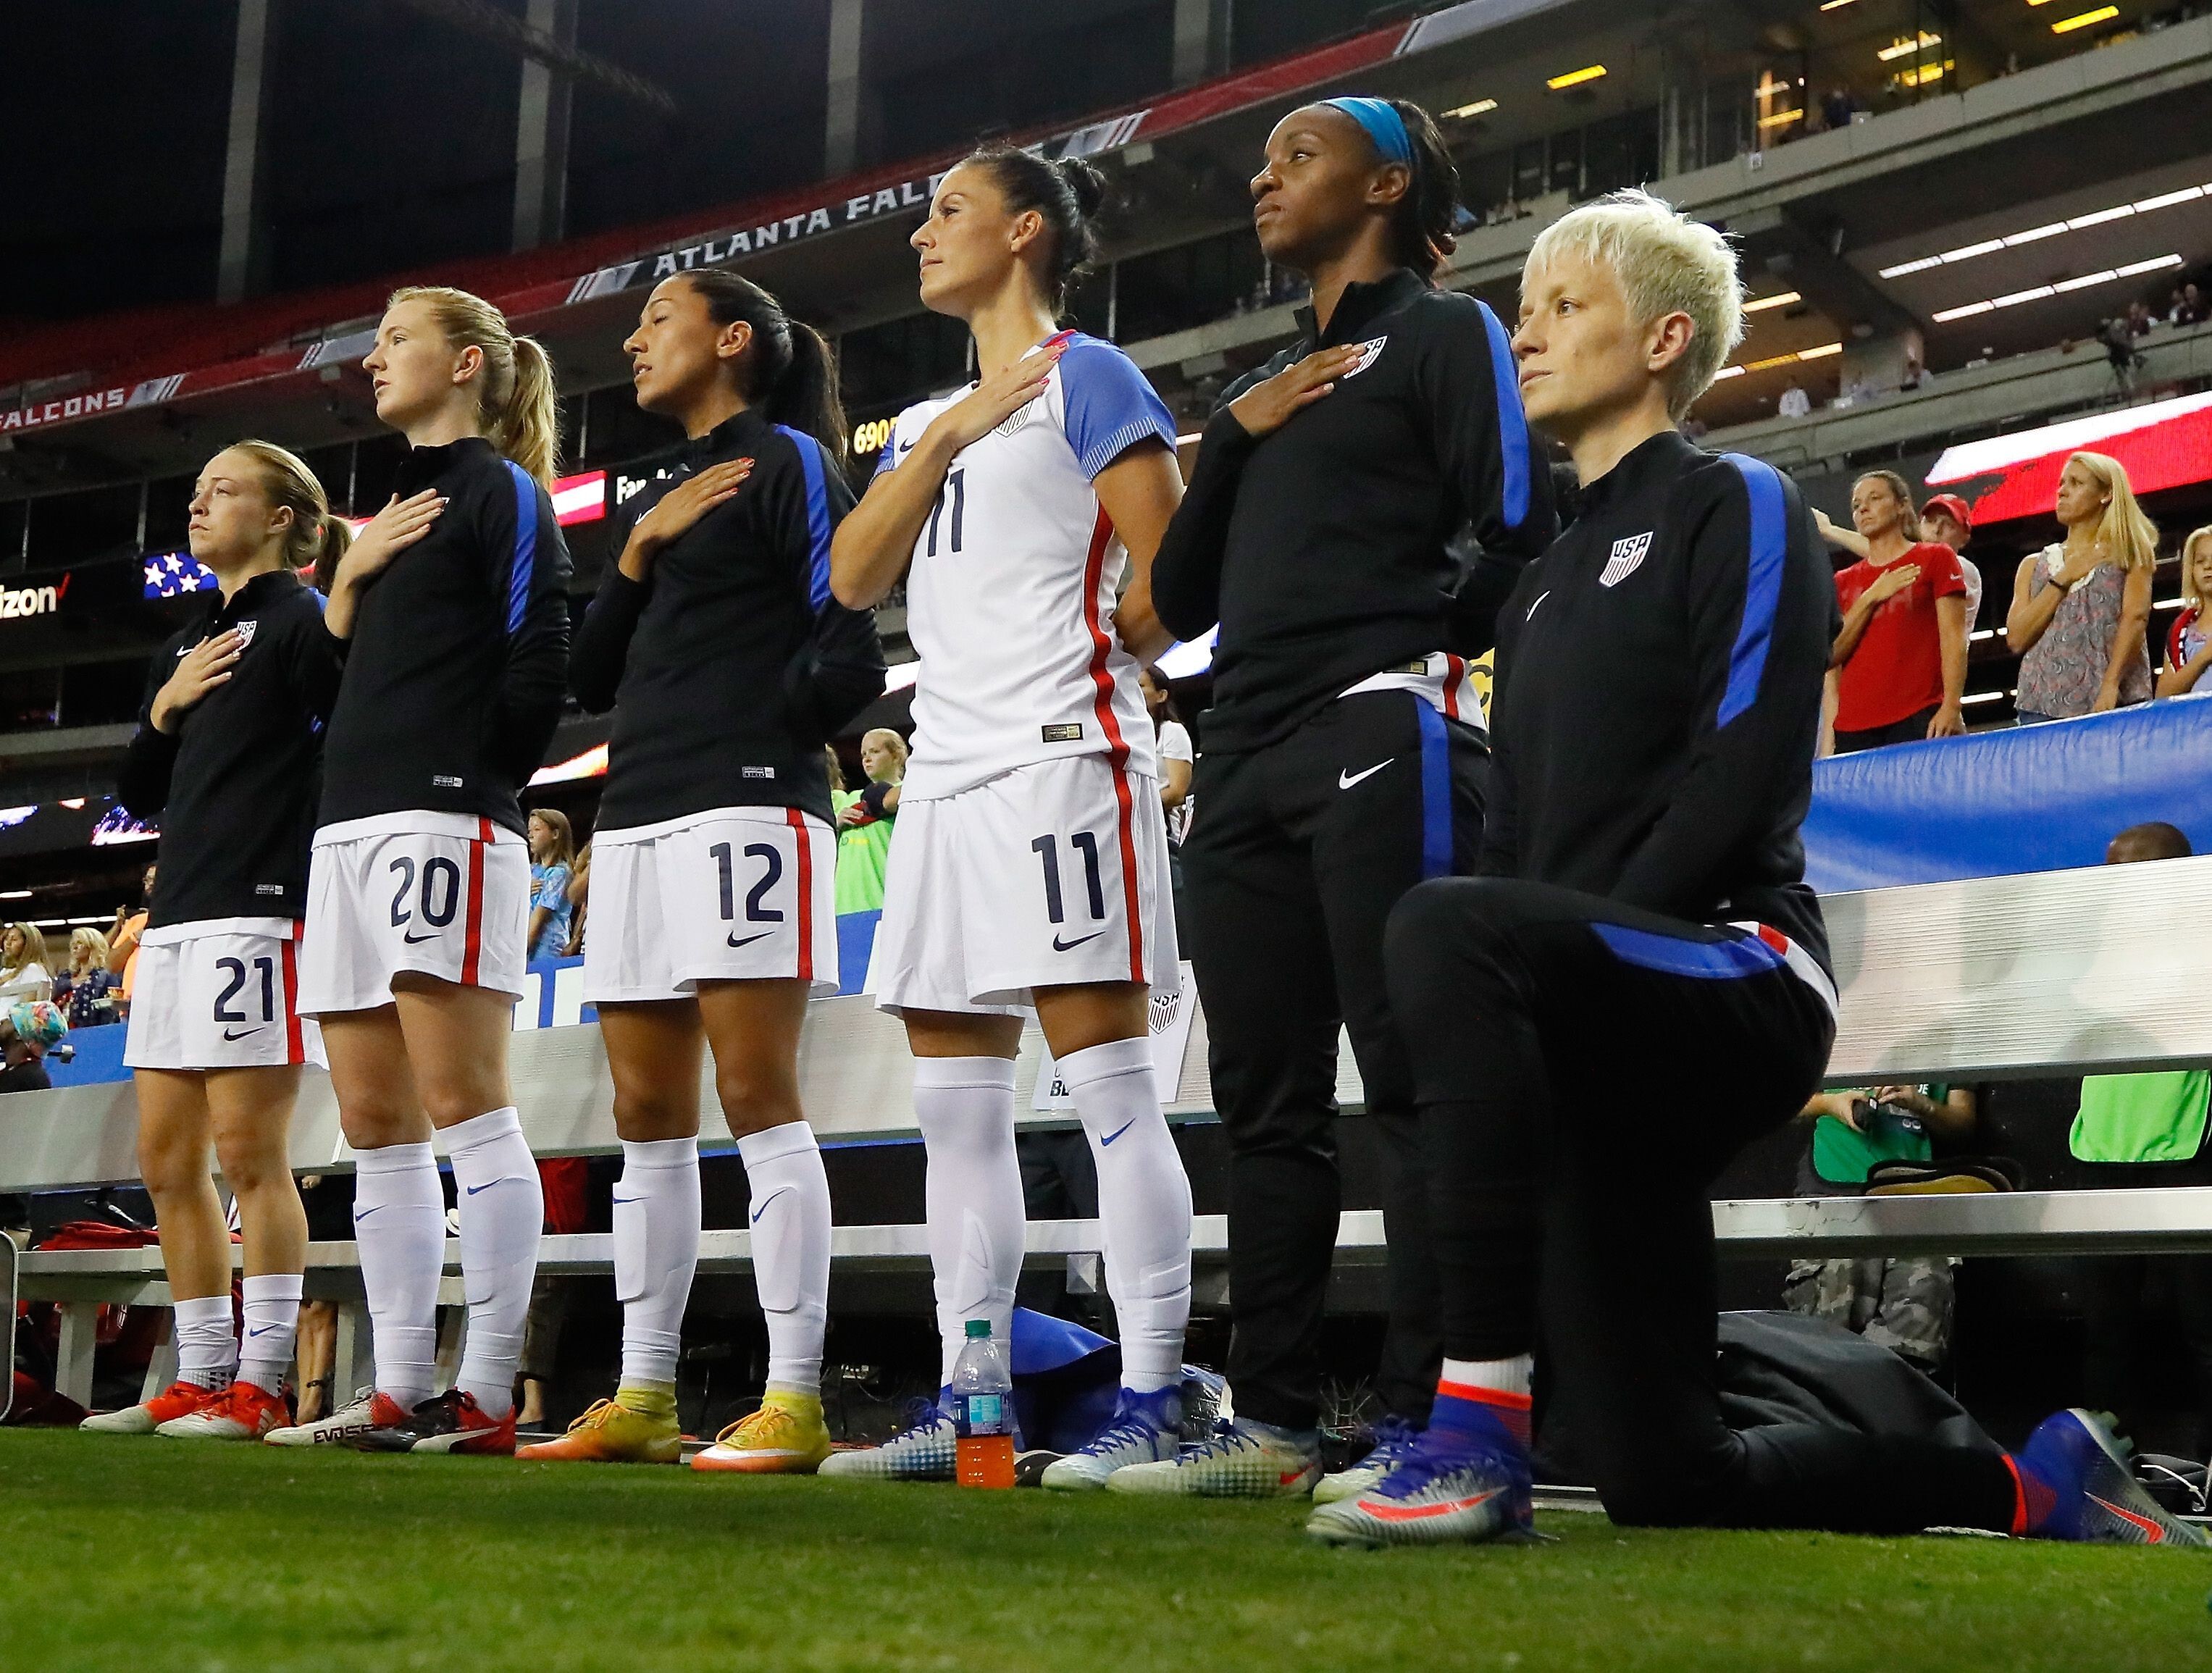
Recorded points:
(20,601)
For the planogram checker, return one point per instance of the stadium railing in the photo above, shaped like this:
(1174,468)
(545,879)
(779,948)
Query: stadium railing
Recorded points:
(2022,976)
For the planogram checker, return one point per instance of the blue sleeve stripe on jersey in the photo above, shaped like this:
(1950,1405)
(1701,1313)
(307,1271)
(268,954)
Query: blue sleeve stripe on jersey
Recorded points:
(887,460)
(1762,586)
(1435,790)
(1708,961)
(1107,406)
(1512,422)
(817,514)
(525,548)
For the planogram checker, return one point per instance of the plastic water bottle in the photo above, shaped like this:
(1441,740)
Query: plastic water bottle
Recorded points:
(983,1407)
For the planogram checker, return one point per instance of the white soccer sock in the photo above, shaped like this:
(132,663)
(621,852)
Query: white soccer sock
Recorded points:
(1143,1204)
(965,1108)
(399,1229)
(790,1220)
(207,1354)
(1494,1376)
(656,1223)
(272,1324)
(502,1210)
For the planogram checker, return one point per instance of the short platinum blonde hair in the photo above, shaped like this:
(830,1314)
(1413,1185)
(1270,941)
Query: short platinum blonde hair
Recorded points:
(1666,262)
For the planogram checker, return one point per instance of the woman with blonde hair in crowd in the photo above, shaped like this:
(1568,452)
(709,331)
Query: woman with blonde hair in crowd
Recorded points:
(25,971)
(455,656)
(82,990)
(228,740)
(2188,642)
(2080,606)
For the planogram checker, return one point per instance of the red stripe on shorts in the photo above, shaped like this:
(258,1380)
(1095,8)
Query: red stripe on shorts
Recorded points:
(1117,748)
(1454,671)
(805,894)
(472,945)
(295,1046)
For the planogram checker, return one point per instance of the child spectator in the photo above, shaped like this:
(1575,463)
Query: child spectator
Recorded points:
(866,821)
(579,899)
(123,944)
(2188,643)
(2079,606)
(552,860)
(1945,519)
(1901,655)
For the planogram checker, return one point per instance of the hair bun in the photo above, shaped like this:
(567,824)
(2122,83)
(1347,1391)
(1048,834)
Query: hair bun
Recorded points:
(1084,180)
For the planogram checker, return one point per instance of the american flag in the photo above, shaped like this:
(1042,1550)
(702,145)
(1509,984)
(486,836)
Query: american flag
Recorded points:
(169,574)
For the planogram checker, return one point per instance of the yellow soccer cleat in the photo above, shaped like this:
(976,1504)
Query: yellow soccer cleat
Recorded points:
(611,1432)
(784,1436)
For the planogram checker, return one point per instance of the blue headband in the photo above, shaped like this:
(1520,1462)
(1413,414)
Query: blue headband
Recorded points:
(1383,124)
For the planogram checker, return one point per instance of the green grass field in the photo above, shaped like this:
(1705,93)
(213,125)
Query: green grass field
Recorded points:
(144,1555)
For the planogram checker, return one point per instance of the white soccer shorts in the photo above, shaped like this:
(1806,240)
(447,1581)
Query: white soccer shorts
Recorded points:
(220,993)
(1046,876)
(739,894)
(439,894)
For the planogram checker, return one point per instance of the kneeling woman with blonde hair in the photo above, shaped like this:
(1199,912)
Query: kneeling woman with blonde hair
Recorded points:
(226,753)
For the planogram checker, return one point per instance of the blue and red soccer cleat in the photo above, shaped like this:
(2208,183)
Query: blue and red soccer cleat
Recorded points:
(1450,1487)
(2076,1483)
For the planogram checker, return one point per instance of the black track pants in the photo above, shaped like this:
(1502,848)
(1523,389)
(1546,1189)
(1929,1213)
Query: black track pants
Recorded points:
(1584,1071)
(1296,856)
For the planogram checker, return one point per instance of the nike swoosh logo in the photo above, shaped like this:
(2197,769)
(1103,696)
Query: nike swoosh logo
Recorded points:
(2154,1534)
(772,1196)
(1059,946)
(629,1199)
(1541,596)
(1118,1131)
(264,1330)
(473,1189)
(1384,1511)
(361,1214)
(241,1033)
(411,938)
(1289,1475)
(1345,780)
(748,939)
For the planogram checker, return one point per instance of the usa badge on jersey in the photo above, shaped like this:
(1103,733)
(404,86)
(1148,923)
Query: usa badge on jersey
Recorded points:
(244,631)
(1626,555)
(1368,351)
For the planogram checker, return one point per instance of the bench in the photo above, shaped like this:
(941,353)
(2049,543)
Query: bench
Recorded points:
(2047,974)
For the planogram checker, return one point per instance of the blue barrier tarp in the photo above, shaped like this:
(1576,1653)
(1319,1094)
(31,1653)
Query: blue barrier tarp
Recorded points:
(2028,799)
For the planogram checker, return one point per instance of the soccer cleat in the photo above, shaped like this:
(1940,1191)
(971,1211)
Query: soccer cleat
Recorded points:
(453,1422)
(1235,1461)
(926,1451)
(175,1402)
(240,1412)
(785,1435)
(1394,1437)
(609,1432)
(1449,1487)
(2076,1483)
(1146,1428)
(371,1421)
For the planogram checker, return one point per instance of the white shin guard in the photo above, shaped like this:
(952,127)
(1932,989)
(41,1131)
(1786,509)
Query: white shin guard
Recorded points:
(1143,1204)
(502,1210)
(965,1108)
(789,1218)
(656,1236)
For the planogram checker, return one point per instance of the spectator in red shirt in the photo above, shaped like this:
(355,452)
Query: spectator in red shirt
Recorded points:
(1901,657)
(2189,641)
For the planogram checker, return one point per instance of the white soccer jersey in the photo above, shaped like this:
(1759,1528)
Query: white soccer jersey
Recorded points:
(1010,601)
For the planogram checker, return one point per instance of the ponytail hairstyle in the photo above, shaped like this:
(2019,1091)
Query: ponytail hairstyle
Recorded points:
(318,539)
(1068,193)
(517,408)
(1908,516)
(1421,229)
(791,375)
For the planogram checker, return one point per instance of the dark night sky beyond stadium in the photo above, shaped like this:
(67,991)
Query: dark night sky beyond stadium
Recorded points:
(391,134)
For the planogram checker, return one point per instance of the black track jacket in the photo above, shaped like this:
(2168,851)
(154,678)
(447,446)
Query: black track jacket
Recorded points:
(234,786)
(730,666)
(460,653)
(1321,549)
(1658,695)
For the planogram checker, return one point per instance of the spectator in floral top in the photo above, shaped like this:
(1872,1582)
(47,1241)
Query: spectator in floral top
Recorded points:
(2080,606)
(2189,642)
(552,854)
(85,990)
